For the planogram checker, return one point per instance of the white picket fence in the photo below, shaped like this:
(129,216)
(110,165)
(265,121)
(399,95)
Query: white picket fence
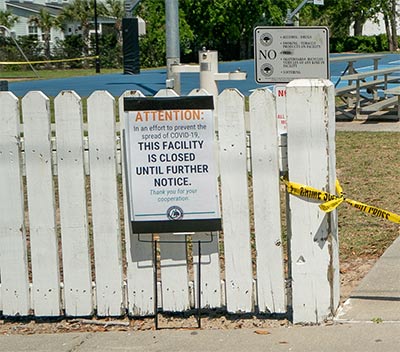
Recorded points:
(73,261)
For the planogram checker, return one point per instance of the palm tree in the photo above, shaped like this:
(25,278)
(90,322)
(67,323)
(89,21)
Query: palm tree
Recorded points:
(81,11)
(45,22)
(8,20)
(116,10)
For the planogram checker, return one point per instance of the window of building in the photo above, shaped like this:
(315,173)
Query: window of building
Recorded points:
(33,30)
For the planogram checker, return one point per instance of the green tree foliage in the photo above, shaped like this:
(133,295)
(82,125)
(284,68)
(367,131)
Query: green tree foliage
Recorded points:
(8,52)
(82,11)
(153,44)
(110,50)
(339,15)
(223,25)
(45,22)
(116,10)
(31,46)
(69,48)
(7,19)
(388,9)
(110,42)
(227,25)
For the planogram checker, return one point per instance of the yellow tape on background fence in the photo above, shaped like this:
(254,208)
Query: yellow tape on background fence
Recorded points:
(47,61)
(332,201)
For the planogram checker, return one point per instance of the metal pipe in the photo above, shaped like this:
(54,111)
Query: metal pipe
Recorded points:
(96,37)
(172,41)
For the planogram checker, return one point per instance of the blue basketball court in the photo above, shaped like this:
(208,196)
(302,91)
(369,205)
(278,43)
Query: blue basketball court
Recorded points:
(152,80)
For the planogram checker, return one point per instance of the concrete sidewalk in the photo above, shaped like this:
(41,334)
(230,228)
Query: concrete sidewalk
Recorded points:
(377,298)
(365,337)
(368,126)
(369,321)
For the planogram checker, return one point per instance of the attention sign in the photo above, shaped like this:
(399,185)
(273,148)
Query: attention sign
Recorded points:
(283,54)
(171,164)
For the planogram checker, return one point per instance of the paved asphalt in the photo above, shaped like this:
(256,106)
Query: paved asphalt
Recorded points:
(150,81)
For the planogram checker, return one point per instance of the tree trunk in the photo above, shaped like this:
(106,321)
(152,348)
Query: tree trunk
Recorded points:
(46,37)
(358,27)
(393,24)
(388,31)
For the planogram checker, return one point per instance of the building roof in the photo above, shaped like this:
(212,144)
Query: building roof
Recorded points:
(53,9)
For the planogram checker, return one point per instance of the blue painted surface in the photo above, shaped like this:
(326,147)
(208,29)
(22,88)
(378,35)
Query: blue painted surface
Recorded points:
(150,81)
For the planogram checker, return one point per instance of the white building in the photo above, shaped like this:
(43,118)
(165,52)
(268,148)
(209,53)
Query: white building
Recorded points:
(375,27)
(24,9)
(372,27)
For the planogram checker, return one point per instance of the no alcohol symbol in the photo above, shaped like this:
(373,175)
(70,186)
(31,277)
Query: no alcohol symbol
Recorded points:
(267,70)
(266,39)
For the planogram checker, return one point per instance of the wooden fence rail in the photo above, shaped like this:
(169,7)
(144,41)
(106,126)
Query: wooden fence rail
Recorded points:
(66,246)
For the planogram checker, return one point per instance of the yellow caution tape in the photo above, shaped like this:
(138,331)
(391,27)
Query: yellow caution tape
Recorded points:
(381,213)
(332,201)
(298,189)
(331,205)
(47,61)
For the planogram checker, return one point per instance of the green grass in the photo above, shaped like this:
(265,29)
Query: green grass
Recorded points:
(368,168)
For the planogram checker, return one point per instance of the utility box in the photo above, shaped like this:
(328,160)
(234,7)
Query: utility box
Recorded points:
(3,85)
(130,45)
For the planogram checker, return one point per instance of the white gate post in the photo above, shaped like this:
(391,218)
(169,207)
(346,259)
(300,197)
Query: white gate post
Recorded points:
(313,236)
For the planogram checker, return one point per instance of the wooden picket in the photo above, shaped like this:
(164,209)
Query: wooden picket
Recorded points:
(73,209)
(210,270)
(73,214)
(265,171)
(13,257)
(210,273)
(41,201)
(235,204)
(105,206)
(139,248)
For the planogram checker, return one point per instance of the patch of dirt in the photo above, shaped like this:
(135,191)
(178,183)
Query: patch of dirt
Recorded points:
(351,273)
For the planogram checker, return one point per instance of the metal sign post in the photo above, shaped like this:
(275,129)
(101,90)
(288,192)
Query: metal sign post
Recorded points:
(292,14)
(155,243)
(283,54)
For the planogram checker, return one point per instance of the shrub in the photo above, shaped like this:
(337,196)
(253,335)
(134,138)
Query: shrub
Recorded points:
(361,44)
(69,48)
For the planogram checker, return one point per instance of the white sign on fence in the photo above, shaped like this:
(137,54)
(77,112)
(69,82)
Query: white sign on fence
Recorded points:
(283,54)
(280,95)
(171,164)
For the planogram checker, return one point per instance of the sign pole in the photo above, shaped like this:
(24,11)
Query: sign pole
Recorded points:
(291,14)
